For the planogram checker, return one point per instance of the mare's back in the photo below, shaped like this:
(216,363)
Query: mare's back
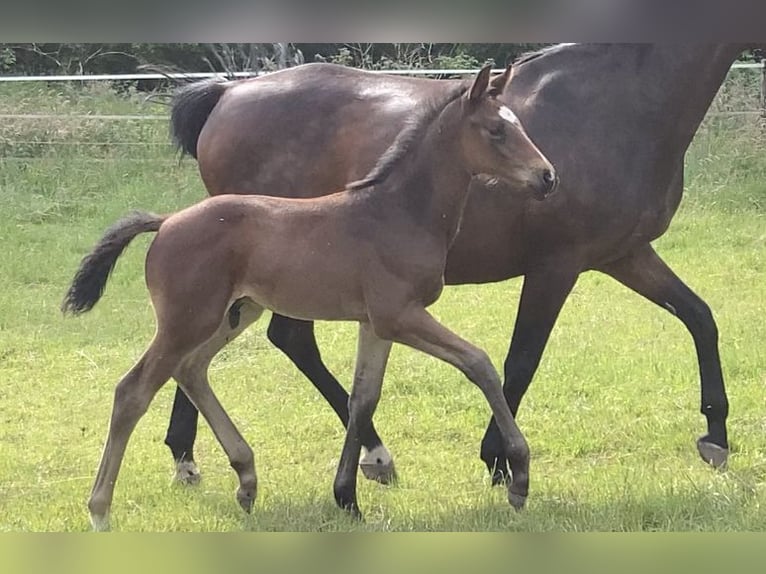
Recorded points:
(304,131)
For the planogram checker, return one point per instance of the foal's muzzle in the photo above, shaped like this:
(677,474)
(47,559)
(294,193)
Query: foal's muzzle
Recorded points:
(548,184)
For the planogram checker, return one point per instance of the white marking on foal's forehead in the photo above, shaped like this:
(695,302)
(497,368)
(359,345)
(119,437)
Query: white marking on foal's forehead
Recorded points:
(507,114)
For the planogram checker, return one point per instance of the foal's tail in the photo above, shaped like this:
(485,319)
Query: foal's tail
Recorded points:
(189,111)
(89,281)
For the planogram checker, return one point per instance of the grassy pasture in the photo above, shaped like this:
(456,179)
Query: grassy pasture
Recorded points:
(611,416)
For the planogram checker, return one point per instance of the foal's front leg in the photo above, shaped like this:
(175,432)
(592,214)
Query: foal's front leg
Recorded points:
(371,359)
(418,329)
(295,338)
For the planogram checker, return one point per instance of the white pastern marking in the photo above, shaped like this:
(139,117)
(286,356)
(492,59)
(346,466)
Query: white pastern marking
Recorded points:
(507,114)
(379,453)
(100,523)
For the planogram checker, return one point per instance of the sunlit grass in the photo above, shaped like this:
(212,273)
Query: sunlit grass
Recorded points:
(611,416)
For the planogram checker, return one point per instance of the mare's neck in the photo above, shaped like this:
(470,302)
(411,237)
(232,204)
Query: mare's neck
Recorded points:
(686,80)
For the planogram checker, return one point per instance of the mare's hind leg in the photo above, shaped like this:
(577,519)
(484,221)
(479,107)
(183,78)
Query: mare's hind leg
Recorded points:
(295,338)
(182,429)
(645,273)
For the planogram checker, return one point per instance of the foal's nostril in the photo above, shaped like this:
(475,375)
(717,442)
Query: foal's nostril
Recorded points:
(550,179)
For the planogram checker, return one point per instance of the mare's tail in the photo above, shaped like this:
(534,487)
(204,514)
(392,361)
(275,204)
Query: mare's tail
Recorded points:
(189,111)
(89,281)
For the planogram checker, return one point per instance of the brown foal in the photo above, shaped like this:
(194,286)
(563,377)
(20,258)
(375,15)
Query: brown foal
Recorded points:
(375,256)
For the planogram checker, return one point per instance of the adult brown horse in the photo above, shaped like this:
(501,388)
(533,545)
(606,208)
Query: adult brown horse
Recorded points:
(615,120)
(374,254)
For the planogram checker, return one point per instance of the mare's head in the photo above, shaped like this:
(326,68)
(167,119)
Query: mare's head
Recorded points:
(494,141)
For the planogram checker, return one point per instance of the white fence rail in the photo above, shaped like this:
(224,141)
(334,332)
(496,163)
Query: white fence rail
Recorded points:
(26,145)
(202,75)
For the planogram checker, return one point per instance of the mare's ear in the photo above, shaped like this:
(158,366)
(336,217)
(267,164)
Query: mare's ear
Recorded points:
(480,84)
(498,83)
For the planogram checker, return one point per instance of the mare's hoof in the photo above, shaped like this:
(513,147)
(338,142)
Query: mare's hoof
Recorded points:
(353,511)
(713,454)
(500,478)
(187,473)
(517,500)
(382,473)
(246,498)
(378,465)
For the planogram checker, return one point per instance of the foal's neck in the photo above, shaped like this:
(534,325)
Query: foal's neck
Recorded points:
(432,183)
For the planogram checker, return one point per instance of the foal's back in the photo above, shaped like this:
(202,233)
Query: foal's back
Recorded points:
(308,258)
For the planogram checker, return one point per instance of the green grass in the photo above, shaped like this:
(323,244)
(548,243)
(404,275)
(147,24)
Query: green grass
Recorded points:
(611,416)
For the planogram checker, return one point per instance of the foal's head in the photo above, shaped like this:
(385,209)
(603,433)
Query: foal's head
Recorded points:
(494,141)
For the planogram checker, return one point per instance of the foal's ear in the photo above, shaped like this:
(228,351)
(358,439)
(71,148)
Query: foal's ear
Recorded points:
(498,83)
(480,84)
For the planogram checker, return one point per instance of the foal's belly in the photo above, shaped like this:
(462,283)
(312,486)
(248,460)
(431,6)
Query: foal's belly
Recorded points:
(306,300)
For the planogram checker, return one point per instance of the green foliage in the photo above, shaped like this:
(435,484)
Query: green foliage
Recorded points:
(7,59)
(398,56)
(40,58)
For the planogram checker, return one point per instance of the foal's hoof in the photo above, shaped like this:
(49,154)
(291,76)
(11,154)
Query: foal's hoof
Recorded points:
(378,465)
(187,473)
(517,500)
(246,498)
(100,523)
(713,454)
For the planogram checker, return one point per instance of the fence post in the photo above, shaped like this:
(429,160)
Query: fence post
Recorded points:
(763,89)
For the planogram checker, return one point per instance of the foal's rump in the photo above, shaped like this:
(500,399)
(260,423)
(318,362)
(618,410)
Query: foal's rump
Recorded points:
(285,255)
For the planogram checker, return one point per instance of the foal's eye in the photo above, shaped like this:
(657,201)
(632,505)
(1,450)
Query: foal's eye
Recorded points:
(497,133)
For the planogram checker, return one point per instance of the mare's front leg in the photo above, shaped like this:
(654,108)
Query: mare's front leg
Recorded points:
(295,338)
(645,273)
(418,329)
(182,429)
(542,297)
(371,359)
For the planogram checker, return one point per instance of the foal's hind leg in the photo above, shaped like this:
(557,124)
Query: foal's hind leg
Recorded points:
(193,371)
(648,275)
(131,399)
(295,338)
(182,429)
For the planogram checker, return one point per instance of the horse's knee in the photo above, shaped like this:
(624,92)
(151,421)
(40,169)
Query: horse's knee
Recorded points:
(701,321)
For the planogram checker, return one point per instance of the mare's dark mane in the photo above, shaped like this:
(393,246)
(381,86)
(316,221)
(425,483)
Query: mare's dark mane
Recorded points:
(412,132)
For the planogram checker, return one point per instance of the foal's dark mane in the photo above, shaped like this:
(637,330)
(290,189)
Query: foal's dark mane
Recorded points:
(412,132)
